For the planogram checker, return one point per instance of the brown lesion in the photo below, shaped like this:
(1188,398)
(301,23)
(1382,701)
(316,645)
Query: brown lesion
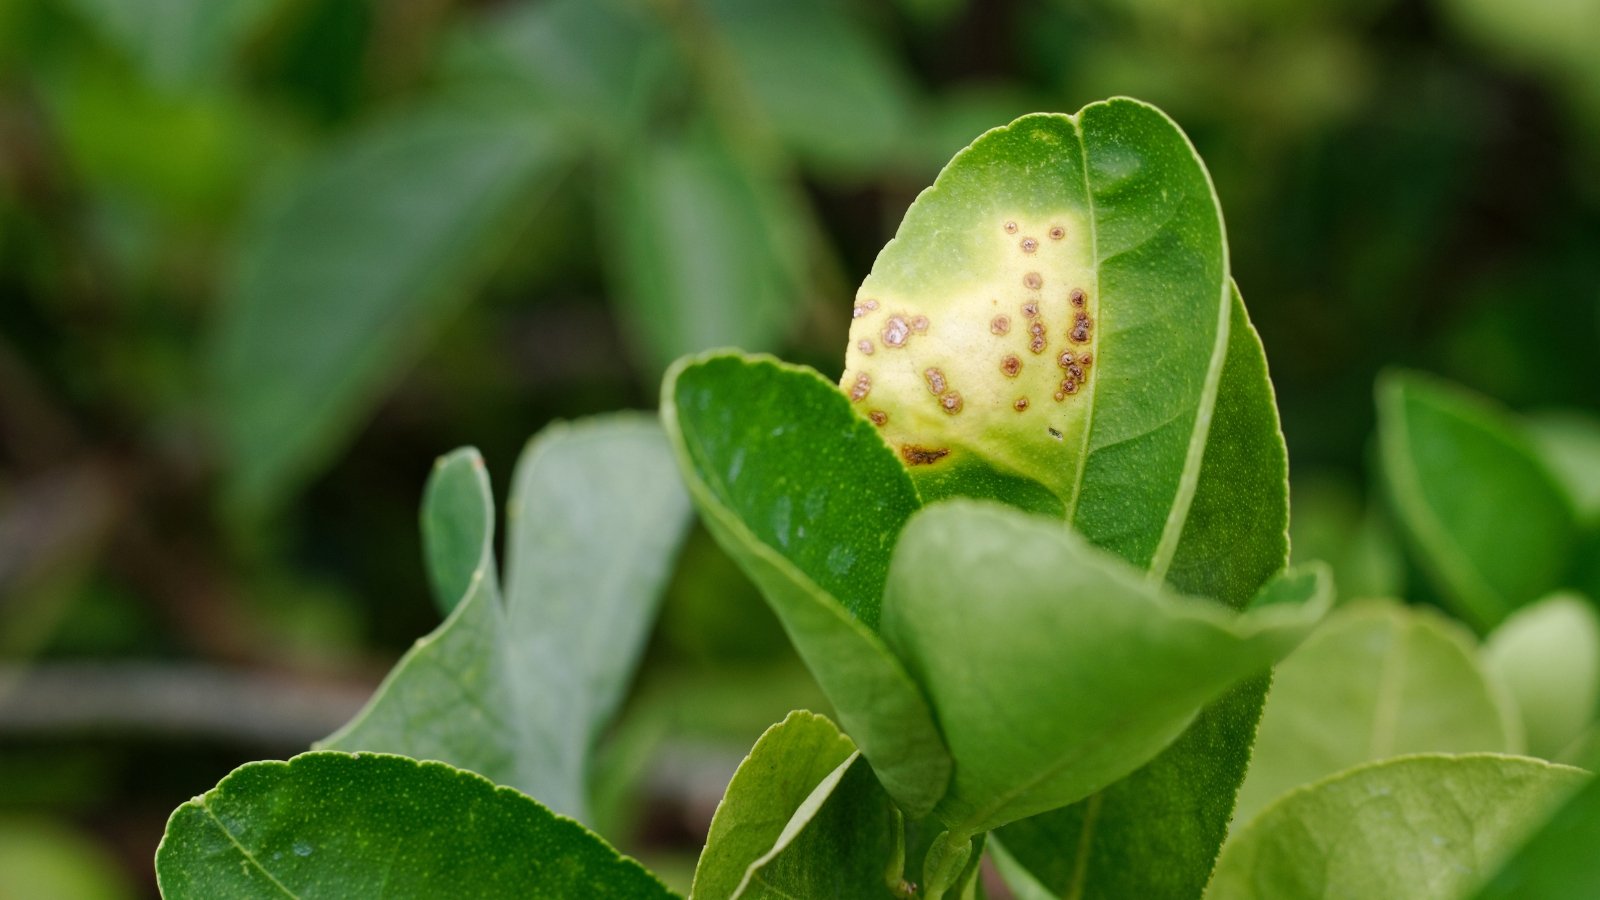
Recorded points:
(878,417)
(861,388)
(922,456)
(1010,366)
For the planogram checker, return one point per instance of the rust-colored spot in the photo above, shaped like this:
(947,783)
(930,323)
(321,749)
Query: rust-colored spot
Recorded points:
(1065,359)
(1032,281)
(922,456)
(1037,343)
(878,417)
(895,331)
(861,388)
(1020,404)
(919,324)
(1030,309)
(1029,245)
(999,325)
(1077,297)
(863,308)
(1060,396)
(1069,386)
(1087,359)
(865,346)
(1010,365)
(1076,371)
(1011,228)
(951,402)
(1057,233)
(935,378)
(1080,329)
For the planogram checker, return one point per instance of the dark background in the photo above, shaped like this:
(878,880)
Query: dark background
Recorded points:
(261,261)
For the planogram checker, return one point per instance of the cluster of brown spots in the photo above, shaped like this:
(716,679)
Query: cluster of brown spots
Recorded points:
(1076,368)
(951,402)
(865,346)
(1011,228)
(1010,366)
(1029,245)
(1032,281)
(861,388)
(999,325)
(1021,404)
(919,324)
(1076,298)
(896,331)
(936,382)
(1057,233)
(1081,325)
(1037,342)
(922,456)
(878,417)
(863,308)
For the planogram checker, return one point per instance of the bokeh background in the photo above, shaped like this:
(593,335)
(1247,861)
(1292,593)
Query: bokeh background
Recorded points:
(261,261)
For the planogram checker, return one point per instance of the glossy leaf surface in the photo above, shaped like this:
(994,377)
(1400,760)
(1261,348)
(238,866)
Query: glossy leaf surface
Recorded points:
(806,498)
(373,825)
(518,691)
(1501,544)
(1050,243)
(1082,669)
(1375,681)
(1414,828)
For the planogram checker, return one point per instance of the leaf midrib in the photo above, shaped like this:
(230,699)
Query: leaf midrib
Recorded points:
(205,807)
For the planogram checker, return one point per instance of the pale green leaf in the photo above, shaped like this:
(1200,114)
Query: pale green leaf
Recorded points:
(1548,655)
(1413,828)
(1375,681)
(330,824)
(1570,445)
(1483,514)
(1083,669)
(1558,861)
(808,501)
(347,269)
(520,691)
(783,768)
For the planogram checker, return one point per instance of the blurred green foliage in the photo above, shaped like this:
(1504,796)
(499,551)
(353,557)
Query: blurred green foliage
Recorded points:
(262,260)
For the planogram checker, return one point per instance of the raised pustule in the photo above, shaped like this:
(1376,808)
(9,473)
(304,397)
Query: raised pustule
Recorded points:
(987,378)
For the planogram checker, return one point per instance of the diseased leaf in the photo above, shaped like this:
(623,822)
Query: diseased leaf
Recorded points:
(519,691)
(1548,654)
(1082,668)
(809,502)
(1157,832)
(707,249)
(1493,548)
(1375,681)
(783,768)
(1050,243)
(373,825)
(1427,827)
(345,270)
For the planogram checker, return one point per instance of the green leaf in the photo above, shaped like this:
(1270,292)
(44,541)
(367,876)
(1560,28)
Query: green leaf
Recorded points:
(1548,654)
(458,529)
(1081,668)
(1558,861)
(845,840)
(1335,523)
(706,249)
(375,825)
(347,270)
(1156,833)
(1407,681)
(1051,239)
(177,43)
(1488,549)
(783,768)
(828,89)
(808,501)
(1413,828)
(1570,445)
(519,691)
